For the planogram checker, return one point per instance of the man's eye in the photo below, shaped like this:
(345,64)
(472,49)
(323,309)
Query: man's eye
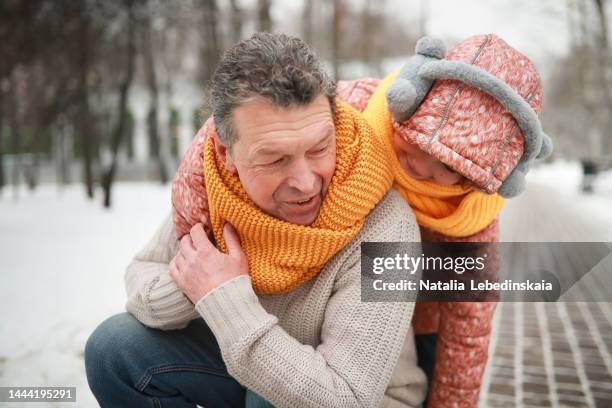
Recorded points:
(275,162)
(321,150)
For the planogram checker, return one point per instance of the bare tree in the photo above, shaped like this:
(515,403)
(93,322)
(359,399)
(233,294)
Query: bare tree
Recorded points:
(210,48)
(372,26)
(15,126)
(576,108)
(126,83)
(23,34)
(1,137)
(155,140)
(307,21)
(600,6)
(337,37)
(48,44)
(235,21)
(62,151)
(263,13)
(603,56)
(67,69)
(366,33)
(84,117)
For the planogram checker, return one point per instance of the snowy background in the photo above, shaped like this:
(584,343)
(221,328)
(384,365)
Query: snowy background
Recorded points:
(63,259)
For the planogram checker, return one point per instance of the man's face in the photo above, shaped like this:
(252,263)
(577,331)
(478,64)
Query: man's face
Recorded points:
(285,157)
(421,166)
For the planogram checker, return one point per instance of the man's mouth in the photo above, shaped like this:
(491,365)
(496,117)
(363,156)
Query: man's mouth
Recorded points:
(303,210)
(302,202)
(304,205)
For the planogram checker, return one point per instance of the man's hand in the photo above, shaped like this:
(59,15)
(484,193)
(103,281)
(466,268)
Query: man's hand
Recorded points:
(199,267)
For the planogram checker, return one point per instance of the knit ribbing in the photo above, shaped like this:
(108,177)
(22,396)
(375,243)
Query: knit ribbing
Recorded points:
(152,296)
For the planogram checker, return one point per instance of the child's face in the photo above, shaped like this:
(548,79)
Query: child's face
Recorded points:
(421,166)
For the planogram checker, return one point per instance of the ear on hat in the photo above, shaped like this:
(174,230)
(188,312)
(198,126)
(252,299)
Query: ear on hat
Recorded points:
(513,185)
(431,47)
(401,98)
(547,147)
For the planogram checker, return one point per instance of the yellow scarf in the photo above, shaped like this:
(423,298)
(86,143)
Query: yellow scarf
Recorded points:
(283,255)
(455,211)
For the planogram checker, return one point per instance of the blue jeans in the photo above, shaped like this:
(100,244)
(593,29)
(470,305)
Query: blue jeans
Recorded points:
(254,400)
(426,355)
(131,365)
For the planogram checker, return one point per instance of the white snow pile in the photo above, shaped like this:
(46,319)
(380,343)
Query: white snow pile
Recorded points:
(63,259)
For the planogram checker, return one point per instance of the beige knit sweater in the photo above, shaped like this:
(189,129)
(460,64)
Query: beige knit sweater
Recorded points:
(316,346)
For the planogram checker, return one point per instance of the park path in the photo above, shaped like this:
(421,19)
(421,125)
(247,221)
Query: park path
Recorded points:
(551,354)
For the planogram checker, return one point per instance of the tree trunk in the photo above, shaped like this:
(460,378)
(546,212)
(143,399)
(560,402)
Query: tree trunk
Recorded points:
(124,89)
(174,124)
(1,139)
(603,24)
(263,16)
(307,21)
(128,137)
(336,40)
(15,133)
(210,49)
(62,153)
(236,21)
(603,56)
(366,35)
(155,141)
(84,120)
(584,67)
(31,169)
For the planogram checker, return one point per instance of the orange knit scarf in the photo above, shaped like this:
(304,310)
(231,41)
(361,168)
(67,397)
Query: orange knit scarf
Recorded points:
(282,255)
(455,211)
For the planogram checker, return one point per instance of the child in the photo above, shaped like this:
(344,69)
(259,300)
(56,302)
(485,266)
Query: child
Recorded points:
(451,141)
(474,129)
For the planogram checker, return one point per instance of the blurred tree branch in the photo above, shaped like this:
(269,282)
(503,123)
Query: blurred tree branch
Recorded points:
(124,89)
(263,12)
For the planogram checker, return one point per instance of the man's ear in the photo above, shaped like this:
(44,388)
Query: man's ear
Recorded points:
(223,153)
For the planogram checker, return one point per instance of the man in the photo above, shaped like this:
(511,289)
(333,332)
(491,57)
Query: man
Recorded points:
(270,300)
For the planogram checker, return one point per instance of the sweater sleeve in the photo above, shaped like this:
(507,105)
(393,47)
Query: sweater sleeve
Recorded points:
(351,367)
(152,296)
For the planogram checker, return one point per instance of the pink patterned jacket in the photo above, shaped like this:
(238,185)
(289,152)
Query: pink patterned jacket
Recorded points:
(463,328)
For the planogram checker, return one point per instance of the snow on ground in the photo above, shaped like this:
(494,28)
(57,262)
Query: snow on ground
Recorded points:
(63,259)
(565,177)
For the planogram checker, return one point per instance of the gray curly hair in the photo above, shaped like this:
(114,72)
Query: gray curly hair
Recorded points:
(280,68)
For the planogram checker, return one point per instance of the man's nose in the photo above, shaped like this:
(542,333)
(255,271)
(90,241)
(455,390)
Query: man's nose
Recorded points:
(302,176)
